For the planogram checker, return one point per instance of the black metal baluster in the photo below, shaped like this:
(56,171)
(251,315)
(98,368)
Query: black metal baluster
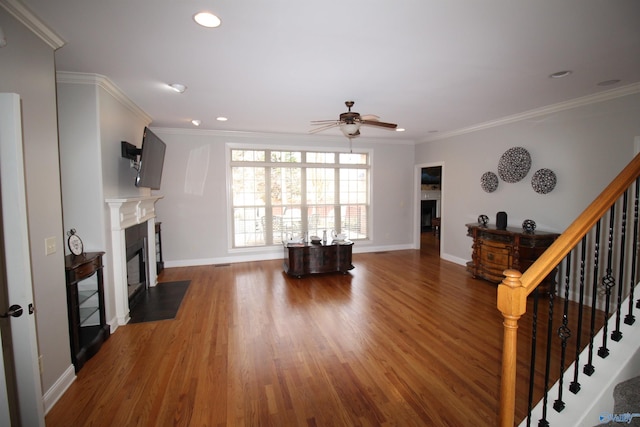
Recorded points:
(589,369)
(564,333)
(574,387)
(608,281)
(532,364)
(547,370)
(616,335)
(629,319)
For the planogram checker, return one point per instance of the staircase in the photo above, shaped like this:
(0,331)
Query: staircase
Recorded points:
(583,338)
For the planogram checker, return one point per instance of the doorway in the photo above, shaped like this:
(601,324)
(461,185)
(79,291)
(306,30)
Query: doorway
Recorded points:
(429,184)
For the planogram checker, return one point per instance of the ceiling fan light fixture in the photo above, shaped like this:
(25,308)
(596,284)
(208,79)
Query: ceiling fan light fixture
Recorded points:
(207,19)
(350,129)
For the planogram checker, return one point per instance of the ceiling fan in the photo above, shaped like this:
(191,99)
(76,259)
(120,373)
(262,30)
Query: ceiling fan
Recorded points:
(350,122)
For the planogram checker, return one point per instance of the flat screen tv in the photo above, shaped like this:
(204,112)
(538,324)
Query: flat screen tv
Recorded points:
(151,161)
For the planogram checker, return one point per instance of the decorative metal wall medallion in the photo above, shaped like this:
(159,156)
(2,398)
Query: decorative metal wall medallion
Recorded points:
(514,164)
(489,182)
(543,181)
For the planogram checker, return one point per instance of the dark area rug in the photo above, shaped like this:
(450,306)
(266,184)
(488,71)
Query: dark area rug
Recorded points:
(160,302)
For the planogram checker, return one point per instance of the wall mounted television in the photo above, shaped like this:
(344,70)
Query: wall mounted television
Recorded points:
(151,159)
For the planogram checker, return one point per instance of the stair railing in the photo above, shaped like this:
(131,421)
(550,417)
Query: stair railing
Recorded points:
(516,286)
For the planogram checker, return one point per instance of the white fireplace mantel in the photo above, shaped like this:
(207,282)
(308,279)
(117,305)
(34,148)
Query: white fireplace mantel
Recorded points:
(127,212)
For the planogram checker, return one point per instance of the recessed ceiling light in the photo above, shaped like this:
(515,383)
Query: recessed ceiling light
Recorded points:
(207,19)
(399,129)
(221,119)
(609,82)
(560,74)
(178,87)
(196,122)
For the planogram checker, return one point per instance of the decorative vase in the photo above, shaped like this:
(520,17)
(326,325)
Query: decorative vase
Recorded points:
(501,220)
(529,225)
(483,220)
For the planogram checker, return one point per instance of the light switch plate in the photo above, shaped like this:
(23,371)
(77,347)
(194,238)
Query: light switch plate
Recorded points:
(50,245)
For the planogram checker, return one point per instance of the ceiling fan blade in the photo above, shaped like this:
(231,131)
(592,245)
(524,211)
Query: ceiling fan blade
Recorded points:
(380,124)
(372,117)
(319,122)
(325,127)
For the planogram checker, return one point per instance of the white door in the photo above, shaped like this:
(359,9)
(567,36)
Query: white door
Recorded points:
(17,265)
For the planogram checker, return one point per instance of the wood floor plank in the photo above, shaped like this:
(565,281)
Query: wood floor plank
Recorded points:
(404,339)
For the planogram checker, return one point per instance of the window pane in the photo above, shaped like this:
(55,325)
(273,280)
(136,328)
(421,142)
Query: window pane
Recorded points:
(354,221)
(247,230)
(286,186)
(286,156)
(353,186)
(321,186)
(353,159)
(247,155)
(248,186)
(321,157)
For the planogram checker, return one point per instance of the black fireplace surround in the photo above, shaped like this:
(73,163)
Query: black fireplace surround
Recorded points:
(136,242)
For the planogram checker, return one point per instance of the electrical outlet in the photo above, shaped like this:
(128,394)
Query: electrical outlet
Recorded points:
(50,245)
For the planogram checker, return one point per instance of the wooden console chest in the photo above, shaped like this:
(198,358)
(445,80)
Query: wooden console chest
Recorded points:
(495,251)
(302,259)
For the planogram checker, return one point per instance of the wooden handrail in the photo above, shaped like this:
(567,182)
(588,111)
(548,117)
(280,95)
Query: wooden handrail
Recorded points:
(579,228)
(515,287)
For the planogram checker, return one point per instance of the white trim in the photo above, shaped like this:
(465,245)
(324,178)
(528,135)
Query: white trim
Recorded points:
(342,143)
(58,388)
(275,252)
(68,77)
(124,213)
(549,109)
(33,23)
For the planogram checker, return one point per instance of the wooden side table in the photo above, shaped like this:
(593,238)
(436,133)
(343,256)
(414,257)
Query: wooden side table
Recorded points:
(301,259)
(495,251)
(88,328)
(435,226)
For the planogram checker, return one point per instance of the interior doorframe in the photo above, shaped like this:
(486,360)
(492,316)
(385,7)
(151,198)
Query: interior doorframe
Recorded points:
(417,197)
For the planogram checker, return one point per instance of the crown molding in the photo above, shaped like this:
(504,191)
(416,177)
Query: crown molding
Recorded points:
(278,136)
(32,22)
(67,77)
(550,109)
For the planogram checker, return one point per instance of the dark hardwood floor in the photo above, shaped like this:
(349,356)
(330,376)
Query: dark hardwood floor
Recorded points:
(404,339)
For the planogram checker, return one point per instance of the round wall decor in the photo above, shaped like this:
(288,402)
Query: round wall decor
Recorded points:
(529,226)
(489,182)
(543,181)
(514,164)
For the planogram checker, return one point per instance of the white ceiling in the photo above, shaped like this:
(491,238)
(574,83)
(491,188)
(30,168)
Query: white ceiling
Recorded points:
(273,66)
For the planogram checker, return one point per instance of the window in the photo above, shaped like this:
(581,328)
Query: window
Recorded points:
(278,194)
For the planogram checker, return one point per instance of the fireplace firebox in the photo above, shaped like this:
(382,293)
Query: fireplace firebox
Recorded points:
(136,244)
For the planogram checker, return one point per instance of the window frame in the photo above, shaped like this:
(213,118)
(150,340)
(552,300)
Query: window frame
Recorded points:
(272,242)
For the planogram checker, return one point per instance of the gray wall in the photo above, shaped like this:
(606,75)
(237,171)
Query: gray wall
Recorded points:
(195,214)
(27,68)
(94,117)
(586,147)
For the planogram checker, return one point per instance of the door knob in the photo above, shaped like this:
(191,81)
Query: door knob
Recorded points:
(14,311)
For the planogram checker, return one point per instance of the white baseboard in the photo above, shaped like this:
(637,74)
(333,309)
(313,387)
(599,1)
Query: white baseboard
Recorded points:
(58,388)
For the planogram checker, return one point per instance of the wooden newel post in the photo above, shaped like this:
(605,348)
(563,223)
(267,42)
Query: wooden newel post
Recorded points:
(512,303)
